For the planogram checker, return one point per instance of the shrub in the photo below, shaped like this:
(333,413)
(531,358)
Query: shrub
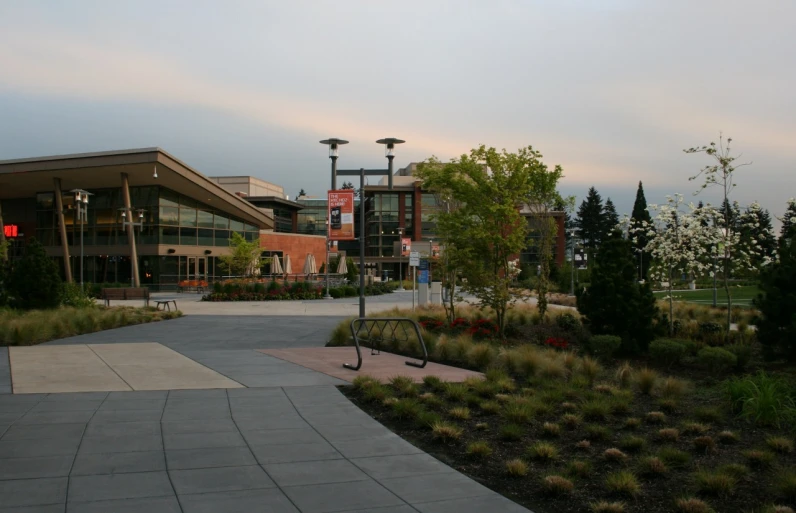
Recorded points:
(597,432)
(623,483)
(480,450)
(704,444)
(646,379)
(459,413)
(516,468)
(758,459)
(432,382)
(786,484)
(481,355)
(692,505)
(430,399)
(583,445)
(655,417)
(406,408)
(445,431)
(589,368)
(401,382)
(557,485)
(543,452)
(34,281)
(519,412)
(376,393)
(691,428)
(652,466)
(673,457)
(596,409)
(780,444)
(777,509)
(734,469)
(668,405)
(492,407)
(743,354)
(427,419)
(511,432)
(551,430)
(607,507)
(673,388)
(456,391)
(604,346)
(363,381)
(579,468)
(571,421)
(615,455)
(708,414)
(668,435)
(632,423)
(633,443)
(624,375)
(728,437)
(763,399)
(776,330)
(716,359)
(714,483)
(482,426)
(666,351)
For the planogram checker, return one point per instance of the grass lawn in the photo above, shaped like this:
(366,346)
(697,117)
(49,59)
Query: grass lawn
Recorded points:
(741,296)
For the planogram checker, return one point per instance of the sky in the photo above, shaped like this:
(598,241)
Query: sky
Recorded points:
(612,90)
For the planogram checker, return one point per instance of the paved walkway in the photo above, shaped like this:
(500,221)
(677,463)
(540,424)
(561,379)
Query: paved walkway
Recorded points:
(290,442)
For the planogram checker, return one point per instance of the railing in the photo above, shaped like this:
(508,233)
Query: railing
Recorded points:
(375,330)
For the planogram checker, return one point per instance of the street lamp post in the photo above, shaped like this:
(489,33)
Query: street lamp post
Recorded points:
(400,257)
(389,152)
(134,224)
(81,207)
(327,295)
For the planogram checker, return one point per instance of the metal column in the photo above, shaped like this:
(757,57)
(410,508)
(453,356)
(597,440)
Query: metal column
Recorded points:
(130,230)
(59,206)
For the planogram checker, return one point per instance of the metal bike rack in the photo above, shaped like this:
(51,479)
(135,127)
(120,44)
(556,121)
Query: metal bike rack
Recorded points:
(375,330)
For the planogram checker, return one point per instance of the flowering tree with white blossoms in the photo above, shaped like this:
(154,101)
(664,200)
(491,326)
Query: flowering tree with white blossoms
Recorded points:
(679,240)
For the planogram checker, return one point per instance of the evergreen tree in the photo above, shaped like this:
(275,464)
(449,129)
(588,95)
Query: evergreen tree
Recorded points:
(788,220)
(34,281)
(610,218)
(641,217)
(615,303)
(347,185)
(589,223)
(776,328)
(759,230)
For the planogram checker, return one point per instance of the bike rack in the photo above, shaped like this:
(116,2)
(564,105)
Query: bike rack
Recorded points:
(374,330)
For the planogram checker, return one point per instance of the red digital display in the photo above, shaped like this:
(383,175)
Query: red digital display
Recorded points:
(11,230)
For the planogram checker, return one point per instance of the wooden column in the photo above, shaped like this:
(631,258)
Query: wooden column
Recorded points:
(59,206)
(130,230)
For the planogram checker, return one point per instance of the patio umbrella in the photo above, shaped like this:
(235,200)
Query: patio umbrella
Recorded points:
(309,265)
(288,267)
(342,267)
(276,266)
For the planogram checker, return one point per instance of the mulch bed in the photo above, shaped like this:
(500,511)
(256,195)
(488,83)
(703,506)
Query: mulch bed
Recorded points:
(657,494)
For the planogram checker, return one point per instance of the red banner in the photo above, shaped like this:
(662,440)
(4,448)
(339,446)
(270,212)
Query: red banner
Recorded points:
(406,246)
(11,231)
(341,215)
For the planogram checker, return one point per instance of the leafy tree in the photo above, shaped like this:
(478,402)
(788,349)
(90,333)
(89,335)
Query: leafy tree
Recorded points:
(488,229)
(615,303)
(641,217)
(35,281)
(590,222)
(776,328)
(243,257)
(347,185)
(352,271)
(758,232)
(721,173)
(543,199)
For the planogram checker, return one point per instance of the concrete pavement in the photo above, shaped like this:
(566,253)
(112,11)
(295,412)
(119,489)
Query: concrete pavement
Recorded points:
(289,442)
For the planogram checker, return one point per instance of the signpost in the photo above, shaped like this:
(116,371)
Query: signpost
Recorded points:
(414,261)
(341,215)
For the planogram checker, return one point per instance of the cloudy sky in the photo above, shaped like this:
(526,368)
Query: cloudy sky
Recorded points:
(612,90)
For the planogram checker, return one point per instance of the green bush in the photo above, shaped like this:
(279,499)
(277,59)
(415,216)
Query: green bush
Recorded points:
(604,346)
(73,295)
(743,354)
(763,399)
(667,351)
(776,328)
(568,322)
(34,282)
(716,359)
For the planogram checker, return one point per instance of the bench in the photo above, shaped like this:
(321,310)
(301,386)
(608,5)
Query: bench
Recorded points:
(197,285)
(125,293)
(166,304)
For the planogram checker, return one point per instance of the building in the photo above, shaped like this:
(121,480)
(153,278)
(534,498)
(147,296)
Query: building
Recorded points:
(183,219)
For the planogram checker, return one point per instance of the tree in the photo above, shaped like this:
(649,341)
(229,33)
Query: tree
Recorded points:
(721,173)
(243,257)
(758,232)
(610,218)
(347,185)
(641,217)
(788,220)
(590,222)
(543,199)
(776,328)
(301,193)
(615,303)
(488,230)
(34,281)
(677,240)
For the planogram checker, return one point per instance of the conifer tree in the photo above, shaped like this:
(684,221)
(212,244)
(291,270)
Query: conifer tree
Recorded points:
(641,217)
(590,222)
(610,218)
(788,220)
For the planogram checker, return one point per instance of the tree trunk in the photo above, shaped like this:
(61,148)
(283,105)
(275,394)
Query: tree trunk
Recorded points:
(671,305)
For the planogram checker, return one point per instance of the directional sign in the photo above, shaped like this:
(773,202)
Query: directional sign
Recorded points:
(422,276)
(414,259)
(424,264)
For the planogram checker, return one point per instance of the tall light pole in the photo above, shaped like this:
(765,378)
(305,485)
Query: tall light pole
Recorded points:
(133,224)
(327,295)
(389,152)
(400,257)
(81,206)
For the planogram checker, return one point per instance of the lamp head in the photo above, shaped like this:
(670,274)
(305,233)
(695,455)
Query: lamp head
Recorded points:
(389,145)
(334,145)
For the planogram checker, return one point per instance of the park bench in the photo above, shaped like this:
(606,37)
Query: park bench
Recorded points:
(195,285)
(118,294)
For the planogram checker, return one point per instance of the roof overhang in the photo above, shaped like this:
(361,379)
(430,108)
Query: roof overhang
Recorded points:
(23,178)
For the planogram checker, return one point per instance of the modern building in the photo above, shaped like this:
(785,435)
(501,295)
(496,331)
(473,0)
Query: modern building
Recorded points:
(181,220)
